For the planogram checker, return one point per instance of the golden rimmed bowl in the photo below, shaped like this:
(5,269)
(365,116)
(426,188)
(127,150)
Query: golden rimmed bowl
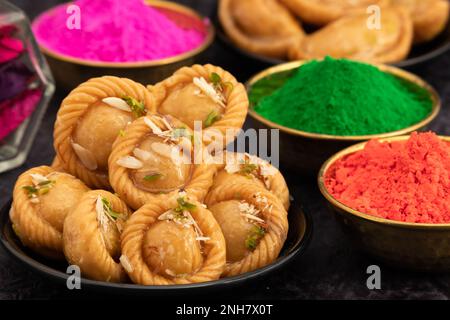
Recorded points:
(70,72)
(304,152)
(415,246)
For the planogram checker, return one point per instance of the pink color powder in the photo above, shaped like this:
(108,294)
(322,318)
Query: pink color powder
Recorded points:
(15,111)
(115,31)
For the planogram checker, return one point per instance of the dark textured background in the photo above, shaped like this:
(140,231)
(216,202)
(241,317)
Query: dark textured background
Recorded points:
(331,268)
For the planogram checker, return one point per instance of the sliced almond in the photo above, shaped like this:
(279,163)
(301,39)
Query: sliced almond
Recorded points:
(168,215)
(38,178)
(203,238)
(209,91)
(155,129)
(126,264)
(130,162)
(117,103)
(164,149)
(142,154)
(86,157)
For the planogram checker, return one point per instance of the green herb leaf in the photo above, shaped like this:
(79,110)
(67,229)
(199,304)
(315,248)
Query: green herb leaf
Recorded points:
(212,117)
(183,205)
(137,108)
(254,237)
(248,168)
(30,190)
(107,207)
(215,79)
(153,177)
(122,133)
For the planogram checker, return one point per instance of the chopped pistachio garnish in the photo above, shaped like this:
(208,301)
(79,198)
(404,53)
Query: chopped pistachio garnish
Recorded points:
(212,117)
(30,190)
(137,107)
(153,177)
(108,209)
(248,168)
(122,133)
(183,205)
(254,237)
(41,186)
(215,79)
(218,84)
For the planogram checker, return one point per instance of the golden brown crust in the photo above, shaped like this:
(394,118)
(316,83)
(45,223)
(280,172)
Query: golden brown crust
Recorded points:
(275,182)
(57,164)
(33,230)
(348,37)
(429,17)
(271,243)
(322,12)
(133,237)
(75,106)
(267,28)
(197,187)
(83,241)
(236,101)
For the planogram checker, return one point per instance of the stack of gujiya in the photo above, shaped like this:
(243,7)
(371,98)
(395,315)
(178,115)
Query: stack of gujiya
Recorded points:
(137,192)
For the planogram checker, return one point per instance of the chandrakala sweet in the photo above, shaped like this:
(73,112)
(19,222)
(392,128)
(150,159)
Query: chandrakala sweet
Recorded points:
(42,198)
(90,119)
(173,241)
(156,156)
(254,224)
(208,95)
(91,237)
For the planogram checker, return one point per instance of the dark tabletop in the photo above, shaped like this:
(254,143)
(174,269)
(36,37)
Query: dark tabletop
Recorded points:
(331,268)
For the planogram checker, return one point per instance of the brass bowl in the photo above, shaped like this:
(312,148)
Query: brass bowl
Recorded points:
(415,246)
(304,152)
(70,72)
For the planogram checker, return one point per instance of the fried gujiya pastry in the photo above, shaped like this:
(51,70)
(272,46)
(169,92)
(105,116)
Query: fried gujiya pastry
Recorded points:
(156,156)
(42,199)
(91,236)
(350,37)
(208,95)
(245,168)
(90,119)
(321,12)
(173,241)
(254,224)
(260,26)
(429,17)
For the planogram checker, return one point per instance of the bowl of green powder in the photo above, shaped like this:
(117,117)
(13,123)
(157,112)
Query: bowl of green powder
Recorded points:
(323,106)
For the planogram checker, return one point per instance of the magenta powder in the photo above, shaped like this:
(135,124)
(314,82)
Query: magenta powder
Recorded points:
(115,31)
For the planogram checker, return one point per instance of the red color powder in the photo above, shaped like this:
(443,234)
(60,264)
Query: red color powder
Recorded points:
(407,181)
(115,31)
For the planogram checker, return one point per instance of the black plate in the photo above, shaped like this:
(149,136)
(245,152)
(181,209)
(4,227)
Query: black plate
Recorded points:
(300,228)
(419,53)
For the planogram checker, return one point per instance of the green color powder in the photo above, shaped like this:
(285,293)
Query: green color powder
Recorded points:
(340,97)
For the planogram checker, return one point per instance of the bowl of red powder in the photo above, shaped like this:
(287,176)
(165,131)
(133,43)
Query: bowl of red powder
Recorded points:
(142,40)
(393,197)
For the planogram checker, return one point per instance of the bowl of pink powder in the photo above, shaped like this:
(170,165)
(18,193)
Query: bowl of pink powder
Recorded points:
(142,40)
(392,196)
